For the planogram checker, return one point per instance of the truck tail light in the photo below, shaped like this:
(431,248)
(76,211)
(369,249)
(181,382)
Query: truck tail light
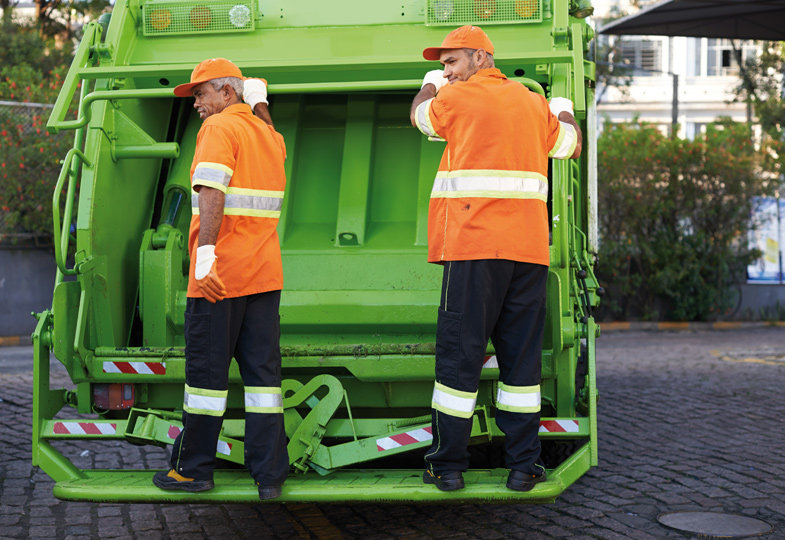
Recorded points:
(161,19)
(113,396)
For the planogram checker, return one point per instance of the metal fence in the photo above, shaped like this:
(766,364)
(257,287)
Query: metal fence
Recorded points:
(27,156)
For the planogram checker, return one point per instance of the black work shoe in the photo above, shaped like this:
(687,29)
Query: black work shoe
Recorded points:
(521,481)
(269,492)
(449,481)
(172,480)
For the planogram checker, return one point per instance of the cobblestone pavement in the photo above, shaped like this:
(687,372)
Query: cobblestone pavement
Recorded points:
(688,421)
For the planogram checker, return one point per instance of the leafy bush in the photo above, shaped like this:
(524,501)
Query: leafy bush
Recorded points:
(31,75)
(29,167)
(673,218)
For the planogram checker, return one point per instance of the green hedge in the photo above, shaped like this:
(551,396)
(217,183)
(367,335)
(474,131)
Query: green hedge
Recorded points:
(674,216)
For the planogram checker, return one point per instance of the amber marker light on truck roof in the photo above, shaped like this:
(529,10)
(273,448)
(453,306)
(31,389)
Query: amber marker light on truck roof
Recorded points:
(160,19)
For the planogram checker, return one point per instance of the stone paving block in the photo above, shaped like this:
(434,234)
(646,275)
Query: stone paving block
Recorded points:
(583,512)
(48,531)
(8,520)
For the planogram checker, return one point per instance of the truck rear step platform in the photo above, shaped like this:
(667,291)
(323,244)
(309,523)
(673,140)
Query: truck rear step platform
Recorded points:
(343,486)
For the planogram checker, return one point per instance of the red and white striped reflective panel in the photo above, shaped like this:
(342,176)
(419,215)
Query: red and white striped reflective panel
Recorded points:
(222,447)
(84,428)
(559,426)
(403,439)
(490,362)
(135,368)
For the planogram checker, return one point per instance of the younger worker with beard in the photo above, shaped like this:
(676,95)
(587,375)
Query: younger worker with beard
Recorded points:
(488,226)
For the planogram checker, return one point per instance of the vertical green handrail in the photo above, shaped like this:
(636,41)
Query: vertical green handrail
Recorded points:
(92,33)
(62,234)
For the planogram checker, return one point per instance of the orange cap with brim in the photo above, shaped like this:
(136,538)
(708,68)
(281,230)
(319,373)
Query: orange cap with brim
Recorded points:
(465,37)
(207,70)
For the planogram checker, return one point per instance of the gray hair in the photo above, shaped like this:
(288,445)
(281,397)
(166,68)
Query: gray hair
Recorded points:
(235,83)
(488,62)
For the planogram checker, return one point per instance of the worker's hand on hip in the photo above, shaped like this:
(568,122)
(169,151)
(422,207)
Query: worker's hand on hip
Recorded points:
(435,77)
(254,91)
(206,274)
(560,104)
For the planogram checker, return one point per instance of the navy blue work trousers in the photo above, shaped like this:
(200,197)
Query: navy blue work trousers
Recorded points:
(503,301)
(248,328)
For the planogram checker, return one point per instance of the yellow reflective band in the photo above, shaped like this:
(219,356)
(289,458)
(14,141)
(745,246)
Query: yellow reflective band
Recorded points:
(212,175)
(490,183)
(422,116)
(263,399)
(519,399)
(254,192)
(215,166)
(247,202)
(204,401)
(252,213)
(565,142)
(453,402)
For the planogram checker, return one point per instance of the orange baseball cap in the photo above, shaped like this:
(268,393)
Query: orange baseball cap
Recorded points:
(207,70)
(465,37)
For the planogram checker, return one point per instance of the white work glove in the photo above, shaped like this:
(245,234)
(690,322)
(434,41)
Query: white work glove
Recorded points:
(560,104)
(206,274)
(435,77)
(255,91)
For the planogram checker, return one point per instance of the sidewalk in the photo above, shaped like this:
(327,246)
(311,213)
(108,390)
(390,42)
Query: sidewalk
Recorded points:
(685,325)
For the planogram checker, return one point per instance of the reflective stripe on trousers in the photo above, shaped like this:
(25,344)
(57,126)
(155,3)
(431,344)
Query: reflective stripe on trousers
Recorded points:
(520,399)
(453,402)
(204,401)
(263,399)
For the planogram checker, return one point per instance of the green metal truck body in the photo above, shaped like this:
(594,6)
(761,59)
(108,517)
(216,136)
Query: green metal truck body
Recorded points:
(358,311)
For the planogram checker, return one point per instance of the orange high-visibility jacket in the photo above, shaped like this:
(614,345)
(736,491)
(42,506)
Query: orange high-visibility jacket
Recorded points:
(242,156)
(490,192)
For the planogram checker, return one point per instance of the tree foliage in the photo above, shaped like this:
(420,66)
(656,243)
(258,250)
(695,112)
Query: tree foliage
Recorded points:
(761,84)
(673,217)
(31,75)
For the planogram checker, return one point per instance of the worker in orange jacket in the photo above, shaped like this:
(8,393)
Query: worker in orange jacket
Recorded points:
(234,282)
(488,227)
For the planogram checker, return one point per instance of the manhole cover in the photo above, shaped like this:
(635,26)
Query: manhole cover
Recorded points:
(714,524)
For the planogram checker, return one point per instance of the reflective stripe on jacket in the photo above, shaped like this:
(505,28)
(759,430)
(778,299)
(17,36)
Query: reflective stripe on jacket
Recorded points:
(489,196)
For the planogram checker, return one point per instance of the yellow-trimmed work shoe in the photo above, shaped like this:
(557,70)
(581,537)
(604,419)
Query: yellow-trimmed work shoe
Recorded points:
(449,481)
(173,480)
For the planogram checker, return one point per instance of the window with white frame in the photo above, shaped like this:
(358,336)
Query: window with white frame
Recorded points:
(644,55)
(721,59)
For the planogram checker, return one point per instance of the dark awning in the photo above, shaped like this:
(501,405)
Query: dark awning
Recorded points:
(733,19)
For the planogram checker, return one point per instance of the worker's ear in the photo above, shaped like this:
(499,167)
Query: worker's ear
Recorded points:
(227,91)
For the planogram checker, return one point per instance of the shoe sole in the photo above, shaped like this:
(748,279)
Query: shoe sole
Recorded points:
(191,487)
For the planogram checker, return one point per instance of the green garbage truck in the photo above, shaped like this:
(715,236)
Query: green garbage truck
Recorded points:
(359,306)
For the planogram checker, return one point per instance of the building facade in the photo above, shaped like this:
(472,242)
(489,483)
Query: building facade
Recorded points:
(707,72)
